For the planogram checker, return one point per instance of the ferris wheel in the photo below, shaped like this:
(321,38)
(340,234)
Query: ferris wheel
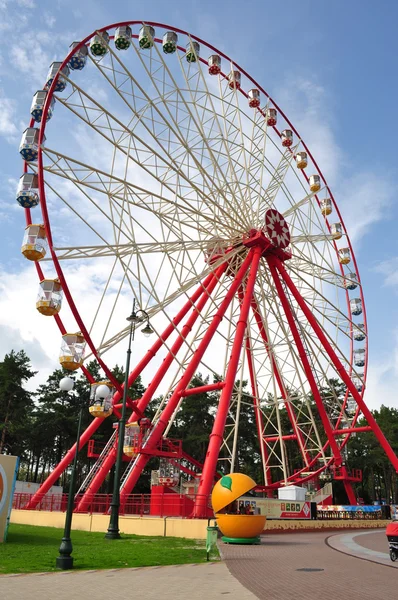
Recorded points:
(183,185)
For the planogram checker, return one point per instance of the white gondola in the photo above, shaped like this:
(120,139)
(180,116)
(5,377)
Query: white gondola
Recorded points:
(53,70)
(214,63)
(192,52)
(77,62)
(34,245)
(72,351)
(356,306)
(49,298)
(146,37)
(28,190)
(169,43)
(272,117)
(29,146)
(336,229)
(326,206)
(254,98)
(359,357)
(99,44)
(344,256)
(351,406)
(301,160)
(358,382)
(234,80)
(359,332)
(315,183)
(287,138)
(36,109)
(122,37)
(351,281)
(101,394)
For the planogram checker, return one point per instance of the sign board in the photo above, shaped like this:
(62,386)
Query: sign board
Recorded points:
(274,509)
(8,475)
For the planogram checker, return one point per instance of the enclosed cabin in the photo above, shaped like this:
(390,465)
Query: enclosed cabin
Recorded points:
(336,230)
(169,42)
(301,160)
(358,382)
(132,440)
(72,351)
(359,332)
(359,357)
(351,281)
(122,37)
(77,62)
(356,306)
(146,37)
(344,256)
(192,52)
(254,98)
(28,190)
(272,117)
(99,44)
(214,63)
(234,80)
(101,395)
(287,138)
(34,245)
(326,206)
(315,183)
(29,146)
(49,298)
(37,106)
(52,72)
(168,473)
(351,406)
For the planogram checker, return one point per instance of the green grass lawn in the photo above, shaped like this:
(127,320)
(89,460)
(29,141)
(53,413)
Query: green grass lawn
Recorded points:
(32,549)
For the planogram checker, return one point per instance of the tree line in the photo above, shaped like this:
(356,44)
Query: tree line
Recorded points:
(41,426)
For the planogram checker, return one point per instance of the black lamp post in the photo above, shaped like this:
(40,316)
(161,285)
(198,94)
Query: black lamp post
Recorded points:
(65,560)
(113,529)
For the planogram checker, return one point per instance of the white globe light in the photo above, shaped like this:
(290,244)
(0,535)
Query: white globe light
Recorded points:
(102,391)
(66,384)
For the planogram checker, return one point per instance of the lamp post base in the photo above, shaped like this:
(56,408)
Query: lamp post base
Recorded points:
(112,534)
(65,561)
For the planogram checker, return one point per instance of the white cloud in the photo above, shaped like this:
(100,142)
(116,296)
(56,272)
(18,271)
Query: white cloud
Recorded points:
(389,268)
(8,128)
(26,3)
(49,19)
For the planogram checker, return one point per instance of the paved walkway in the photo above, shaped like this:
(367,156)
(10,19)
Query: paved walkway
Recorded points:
(298,566)
(196,582)
(306,566)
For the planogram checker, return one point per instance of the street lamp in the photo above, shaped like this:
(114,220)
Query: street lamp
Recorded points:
(137,316)
(65,560)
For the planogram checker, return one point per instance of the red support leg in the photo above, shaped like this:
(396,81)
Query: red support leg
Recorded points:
(201,296)
(216,436)
(352,499)
(172,404)
(306,365)
(338,365)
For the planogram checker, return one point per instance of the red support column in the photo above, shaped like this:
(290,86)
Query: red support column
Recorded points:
(201,295)
(172,404)
(338,365)
(305,362)
(216,436)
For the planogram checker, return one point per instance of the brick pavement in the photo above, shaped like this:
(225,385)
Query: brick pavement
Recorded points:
(272,570)
(196,582)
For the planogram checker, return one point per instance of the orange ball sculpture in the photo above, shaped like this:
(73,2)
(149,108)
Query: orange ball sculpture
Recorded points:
(236,528)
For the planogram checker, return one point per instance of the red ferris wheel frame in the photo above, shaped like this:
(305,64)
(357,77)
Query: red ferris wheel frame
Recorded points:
(202,293)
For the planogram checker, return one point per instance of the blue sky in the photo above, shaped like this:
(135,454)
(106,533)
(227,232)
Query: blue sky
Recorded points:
(330,65)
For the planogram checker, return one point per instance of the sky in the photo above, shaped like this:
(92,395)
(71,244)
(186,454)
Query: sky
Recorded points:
(331,66)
